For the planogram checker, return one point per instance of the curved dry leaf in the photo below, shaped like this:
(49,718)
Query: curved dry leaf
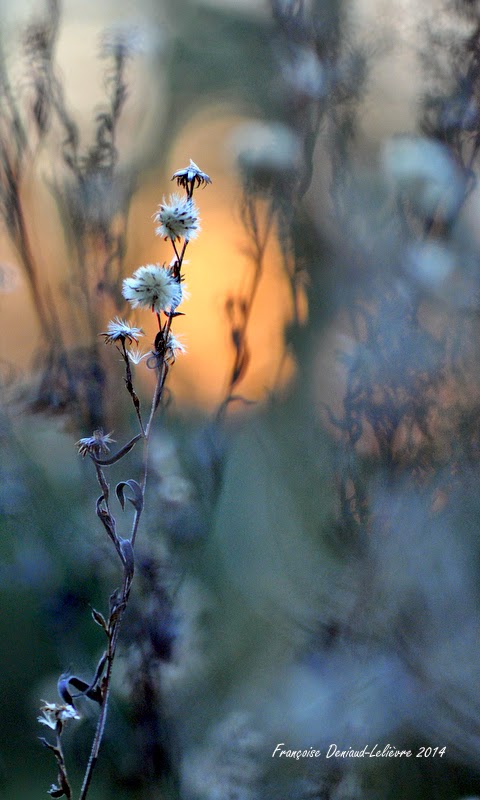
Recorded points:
(136,489)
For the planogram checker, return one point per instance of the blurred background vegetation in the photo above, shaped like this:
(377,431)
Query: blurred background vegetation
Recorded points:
(307,571)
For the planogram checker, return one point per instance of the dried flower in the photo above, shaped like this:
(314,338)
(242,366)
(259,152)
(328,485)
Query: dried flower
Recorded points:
(177,219)
(152,287)
(136,355)
(189,176)
(174,347)
(165,351)
(53,713)
(119,330)
(95,445)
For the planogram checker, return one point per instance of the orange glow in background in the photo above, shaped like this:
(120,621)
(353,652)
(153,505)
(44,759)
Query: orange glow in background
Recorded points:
(217,267)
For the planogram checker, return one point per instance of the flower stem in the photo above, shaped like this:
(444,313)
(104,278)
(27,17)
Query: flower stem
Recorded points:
(129,385)
(102,719)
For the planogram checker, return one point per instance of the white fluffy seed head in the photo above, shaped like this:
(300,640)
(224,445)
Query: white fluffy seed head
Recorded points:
(177,219)
(118,330)
(152,287)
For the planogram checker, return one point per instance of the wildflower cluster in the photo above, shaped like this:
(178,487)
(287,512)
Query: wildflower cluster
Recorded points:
(159,289)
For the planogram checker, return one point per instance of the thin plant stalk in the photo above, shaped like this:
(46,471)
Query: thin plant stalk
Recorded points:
(157,288)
